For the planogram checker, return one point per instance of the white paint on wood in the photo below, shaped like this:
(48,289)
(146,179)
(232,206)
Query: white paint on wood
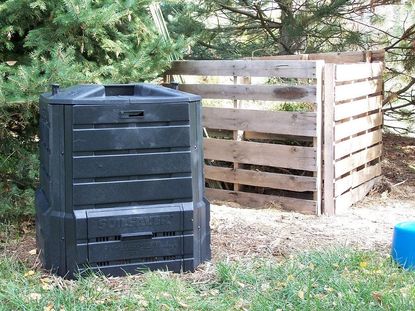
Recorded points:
(359,89)
(357,143)
(351,72)
(329,89)
(355,160)
(356,178)
(356,126)
(358,107)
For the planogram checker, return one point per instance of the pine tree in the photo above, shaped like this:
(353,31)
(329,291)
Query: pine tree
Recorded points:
(232,29)
(66,42)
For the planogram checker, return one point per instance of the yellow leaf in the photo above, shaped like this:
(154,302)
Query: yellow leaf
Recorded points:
(363,264)
(49,307)
(46,280)
(35,296)
(328,289)
(32,252)
(301,294)
(29,273)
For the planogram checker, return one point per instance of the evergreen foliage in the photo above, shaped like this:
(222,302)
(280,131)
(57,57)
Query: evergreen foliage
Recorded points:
(232,29)
(66,42)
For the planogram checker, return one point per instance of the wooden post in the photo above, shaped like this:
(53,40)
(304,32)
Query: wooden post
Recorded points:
(329,89)
(317,141)
(236,187)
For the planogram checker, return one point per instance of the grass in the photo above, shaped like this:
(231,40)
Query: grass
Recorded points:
(336,280)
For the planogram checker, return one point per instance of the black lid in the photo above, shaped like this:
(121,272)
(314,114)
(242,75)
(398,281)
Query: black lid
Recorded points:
(92,94)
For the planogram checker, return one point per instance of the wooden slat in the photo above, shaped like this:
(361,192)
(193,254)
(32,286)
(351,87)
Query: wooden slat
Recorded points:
(357,107)
(335,58)
(351,197)
(266,136)
(261,179)
(301,158)
(356,178)
(355,126)
(328,174)
(357,159)
(252,68)
(357,143)
(356,90)
(252,92)
(273,122)
(262,200)
(351,72)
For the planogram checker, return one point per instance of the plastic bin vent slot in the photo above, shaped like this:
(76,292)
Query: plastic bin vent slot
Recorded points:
(132,114)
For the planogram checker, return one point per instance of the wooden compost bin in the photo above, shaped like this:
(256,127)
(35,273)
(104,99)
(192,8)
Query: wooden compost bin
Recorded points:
(316,161)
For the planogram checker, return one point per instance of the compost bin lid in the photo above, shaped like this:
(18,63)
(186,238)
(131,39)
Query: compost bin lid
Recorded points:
(96,94)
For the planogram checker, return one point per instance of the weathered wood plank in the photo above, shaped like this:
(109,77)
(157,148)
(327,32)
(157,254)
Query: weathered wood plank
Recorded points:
(355,90)
(355,126)
(357,143)
(266,136)
(252,68)
(256,200)
(351,72)
(351,109)
(328,174)
(252,92)
(334,58)
(301,158)
(360,158)
(354,195)
(261,179)
(356,178)
(274,122)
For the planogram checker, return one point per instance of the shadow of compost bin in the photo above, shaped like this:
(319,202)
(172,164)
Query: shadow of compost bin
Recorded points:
(121,185)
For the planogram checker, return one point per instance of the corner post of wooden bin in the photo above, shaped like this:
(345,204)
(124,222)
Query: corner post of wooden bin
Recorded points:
(236,187)
(318,139)
(328,175)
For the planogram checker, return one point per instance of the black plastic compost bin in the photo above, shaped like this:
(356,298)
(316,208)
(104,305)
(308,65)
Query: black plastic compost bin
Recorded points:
(121,180)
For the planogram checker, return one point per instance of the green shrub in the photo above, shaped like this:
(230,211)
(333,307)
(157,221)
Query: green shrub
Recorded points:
(66,42)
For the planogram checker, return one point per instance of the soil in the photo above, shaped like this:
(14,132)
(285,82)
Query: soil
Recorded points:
(239,233)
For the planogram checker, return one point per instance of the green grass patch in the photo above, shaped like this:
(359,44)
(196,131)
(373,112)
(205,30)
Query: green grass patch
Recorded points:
(331,280)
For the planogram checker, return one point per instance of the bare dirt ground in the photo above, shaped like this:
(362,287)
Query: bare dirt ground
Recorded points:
(241,233)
